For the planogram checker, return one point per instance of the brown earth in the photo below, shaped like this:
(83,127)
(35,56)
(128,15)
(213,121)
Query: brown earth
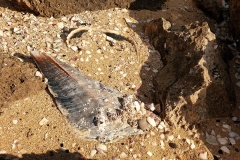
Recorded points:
(25,101)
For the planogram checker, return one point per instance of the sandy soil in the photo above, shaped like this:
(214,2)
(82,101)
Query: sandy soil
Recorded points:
(25,100)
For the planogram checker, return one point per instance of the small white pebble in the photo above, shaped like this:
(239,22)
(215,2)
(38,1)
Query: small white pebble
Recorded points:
(38,74)
(149,154)
(93,152)
(15,30)
(74,48)
(43,121)
(155,70)
(123,155)
(232,141)
(3,152)
(162,144)
(193,145)
(222,140)
(213,132)
(225,149)
(188,141)
(151,107)
(233,134)
(151,121)
(1,33)
(226,126)
(170,138)
(137,105)
(15,121)
(60,25)
(162,136)
(102,147)
(234,118)
(134,156)
(203,156)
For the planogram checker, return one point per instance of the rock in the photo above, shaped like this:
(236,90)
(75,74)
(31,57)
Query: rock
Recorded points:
(172,145)
(143,125)
(222,141)
(234,118)
(211,140)
(232,141)
(225,149)
(233,134)
(181,65)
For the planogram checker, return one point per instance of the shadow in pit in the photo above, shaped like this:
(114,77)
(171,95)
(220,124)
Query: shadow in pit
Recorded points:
(49,155)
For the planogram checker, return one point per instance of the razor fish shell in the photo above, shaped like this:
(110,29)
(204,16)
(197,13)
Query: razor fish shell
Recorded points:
(93,109)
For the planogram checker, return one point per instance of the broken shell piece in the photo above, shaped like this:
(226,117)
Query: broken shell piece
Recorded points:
(136,105)
(203,156)
(43,121)
(123,155)
(93,152)
(39,74)
(103,147)
(151,121)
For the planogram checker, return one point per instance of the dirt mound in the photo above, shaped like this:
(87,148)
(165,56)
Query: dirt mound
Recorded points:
(61,7)
(19,85)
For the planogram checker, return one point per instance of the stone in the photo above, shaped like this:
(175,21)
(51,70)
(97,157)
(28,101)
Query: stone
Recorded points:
(182,65)
(222,141)
(225,149)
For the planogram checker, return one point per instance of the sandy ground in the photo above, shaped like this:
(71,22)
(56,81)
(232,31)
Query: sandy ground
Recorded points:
(25,100)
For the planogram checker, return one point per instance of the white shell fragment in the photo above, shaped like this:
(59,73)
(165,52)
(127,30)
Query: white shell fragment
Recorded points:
(103,147)
(15,121)
(151,121)
(225,149)
(192,145)
(38,74)
(149,154)
(93,152)
(123,155)
(137,105)
(43,121)
(203,156)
